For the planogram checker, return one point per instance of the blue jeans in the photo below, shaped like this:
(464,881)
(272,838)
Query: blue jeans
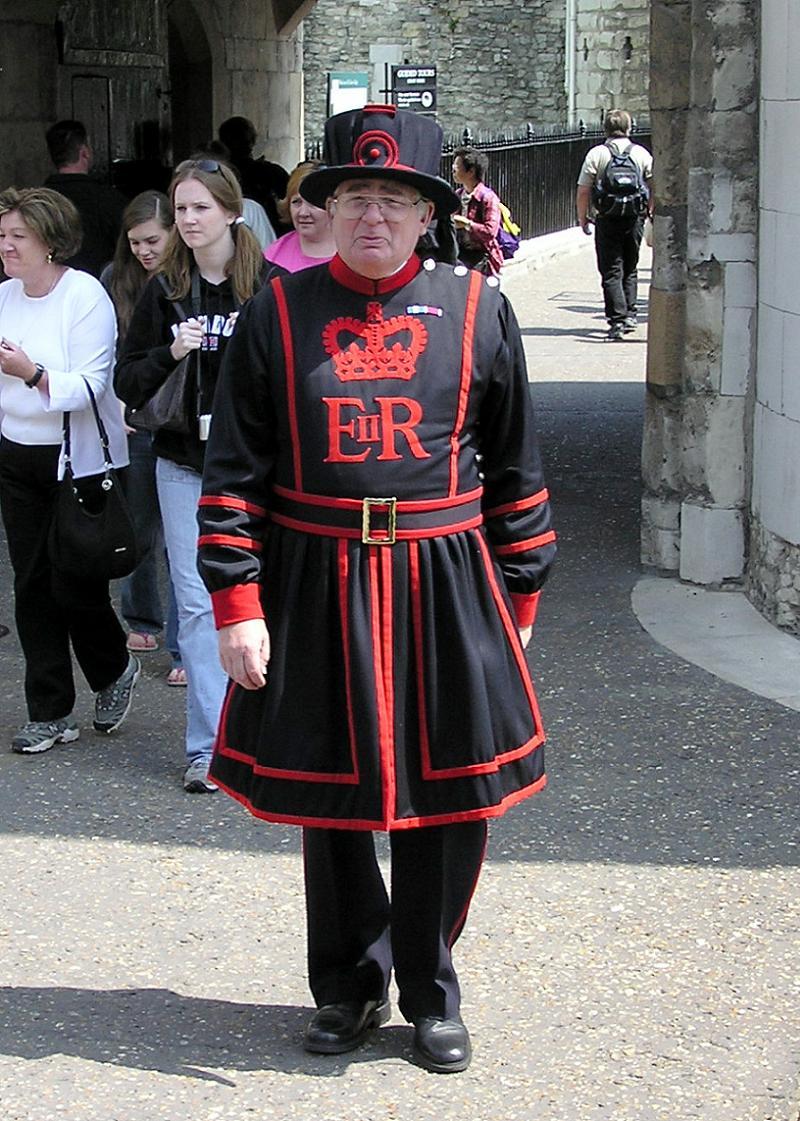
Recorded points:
(178,494)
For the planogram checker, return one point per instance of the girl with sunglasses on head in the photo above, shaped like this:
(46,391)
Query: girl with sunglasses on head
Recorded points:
(146,224)
(212,264)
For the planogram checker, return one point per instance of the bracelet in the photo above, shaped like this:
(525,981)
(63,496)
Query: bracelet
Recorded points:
(37,377)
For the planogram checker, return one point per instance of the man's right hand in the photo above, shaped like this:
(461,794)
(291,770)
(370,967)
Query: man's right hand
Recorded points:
(244,652)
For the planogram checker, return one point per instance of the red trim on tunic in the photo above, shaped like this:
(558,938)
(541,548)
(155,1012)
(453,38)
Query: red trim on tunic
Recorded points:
(470,313)
(429,772)
(291,401)
(523,504)
(236,604)
(230,503)
(512,633)
(343,274)
(523,546)
(387,629)
(384,735)
(361,824)
(343,559)
(525,607)
(222,747)
(229,539)
(403,506)
(416,618)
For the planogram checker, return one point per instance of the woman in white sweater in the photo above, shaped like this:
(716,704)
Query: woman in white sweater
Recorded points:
(57,332)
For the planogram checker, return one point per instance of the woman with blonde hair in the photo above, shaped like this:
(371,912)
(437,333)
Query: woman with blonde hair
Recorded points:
(311,241)
(211,266)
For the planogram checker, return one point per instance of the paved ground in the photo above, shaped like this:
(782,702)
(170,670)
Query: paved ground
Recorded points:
(632,950)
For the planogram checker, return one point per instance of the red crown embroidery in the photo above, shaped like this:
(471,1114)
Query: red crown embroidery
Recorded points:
(368,357)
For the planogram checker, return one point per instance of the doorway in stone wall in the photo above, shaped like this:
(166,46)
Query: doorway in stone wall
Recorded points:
(191,80)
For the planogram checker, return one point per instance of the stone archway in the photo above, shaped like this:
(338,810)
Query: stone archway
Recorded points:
(191,80)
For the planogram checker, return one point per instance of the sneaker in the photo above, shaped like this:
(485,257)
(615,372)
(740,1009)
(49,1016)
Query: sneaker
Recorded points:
(196,780)
(629,325)
(615,333)
(112,704)
(41,735)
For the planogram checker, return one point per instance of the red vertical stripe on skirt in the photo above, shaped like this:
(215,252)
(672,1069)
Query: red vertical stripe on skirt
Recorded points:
(473,295)
(288,353)
(385,737)
(419,659)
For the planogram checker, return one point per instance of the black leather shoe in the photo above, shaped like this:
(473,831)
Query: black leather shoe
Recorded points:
(335,1028)
(441,1045)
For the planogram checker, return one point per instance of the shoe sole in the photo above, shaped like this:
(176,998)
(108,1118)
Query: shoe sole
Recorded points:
(107,729)
(381,1015)
(440,1068)
(69,736)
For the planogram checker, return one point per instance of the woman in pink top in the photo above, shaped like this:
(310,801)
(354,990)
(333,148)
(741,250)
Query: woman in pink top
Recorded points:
(310,242)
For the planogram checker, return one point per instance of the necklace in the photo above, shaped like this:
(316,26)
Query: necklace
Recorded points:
(32,321)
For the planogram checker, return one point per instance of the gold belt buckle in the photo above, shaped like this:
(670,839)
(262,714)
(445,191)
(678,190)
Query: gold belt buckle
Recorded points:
(386,536)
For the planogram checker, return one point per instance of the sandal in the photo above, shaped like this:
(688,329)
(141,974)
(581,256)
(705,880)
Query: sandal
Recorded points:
(140,642)
(176,676)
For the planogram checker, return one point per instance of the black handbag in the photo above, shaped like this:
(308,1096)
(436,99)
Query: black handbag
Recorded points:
(92,533)
(169,407)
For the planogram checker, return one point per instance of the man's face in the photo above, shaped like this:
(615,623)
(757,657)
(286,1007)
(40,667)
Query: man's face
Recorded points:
(376,224)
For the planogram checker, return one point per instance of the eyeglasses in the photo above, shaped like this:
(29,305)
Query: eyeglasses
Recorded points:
(391,209)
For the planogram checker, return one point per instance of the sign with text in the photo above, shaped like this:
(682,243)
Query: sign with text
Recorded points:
(414,88)
(347,89)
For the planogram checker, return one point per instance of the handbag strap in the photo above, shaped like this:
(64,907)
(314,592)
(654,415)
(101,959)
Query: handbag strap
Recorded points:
(101,431)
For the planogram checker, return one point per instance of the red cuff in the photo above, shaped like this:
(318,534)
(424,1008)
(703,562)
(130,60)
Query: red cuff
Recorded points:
(236,604)
(525,608)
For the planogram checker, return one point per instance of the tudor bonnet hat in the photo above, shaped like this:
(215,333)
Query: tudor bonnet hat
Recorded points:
(382,142)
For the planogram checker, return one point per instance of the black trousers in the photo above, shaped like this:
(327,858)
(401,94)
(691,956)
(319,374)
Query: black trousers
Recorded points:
(617,242)
(51,609)
(357,933)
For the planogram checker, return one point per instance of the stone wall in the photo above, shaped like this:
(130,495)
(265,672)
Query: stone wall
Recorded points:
(498,65)
(701,358)
(774,574)
(612,43)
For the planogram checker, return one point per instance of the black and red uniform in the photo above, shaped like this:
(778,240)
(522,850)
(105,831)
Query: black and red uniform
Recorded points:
(373,487)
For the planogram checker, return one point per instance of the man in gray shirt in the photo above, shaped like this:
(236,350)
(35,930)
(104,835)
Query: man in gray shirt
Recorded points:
(619,219)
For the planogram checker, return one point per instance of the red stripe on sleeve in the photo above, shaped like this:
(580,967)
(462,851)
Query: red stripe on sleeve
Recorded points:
(229,539)
(230,503)
(523,504)
(524,546)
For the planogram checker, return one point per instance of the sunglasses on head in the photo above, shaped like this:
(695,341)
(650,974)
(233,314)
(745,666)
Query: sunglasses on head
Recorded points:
(210,166)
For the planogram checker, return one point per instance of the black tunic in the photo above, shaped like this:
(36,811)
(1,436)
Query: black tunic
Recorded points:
(398,693)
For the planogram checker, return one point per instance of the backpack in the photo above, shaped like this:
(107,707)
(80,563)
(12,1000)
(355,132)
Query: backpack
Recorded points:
(508,234)
(620,191)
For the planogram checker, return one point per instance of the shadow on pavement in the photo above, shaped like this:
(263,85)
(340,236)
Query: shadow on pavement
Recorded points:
(164,1031)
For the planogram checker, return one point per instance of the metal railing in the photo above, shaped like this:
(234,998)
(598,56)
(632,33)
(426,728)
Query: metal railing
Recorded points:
(534,173)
